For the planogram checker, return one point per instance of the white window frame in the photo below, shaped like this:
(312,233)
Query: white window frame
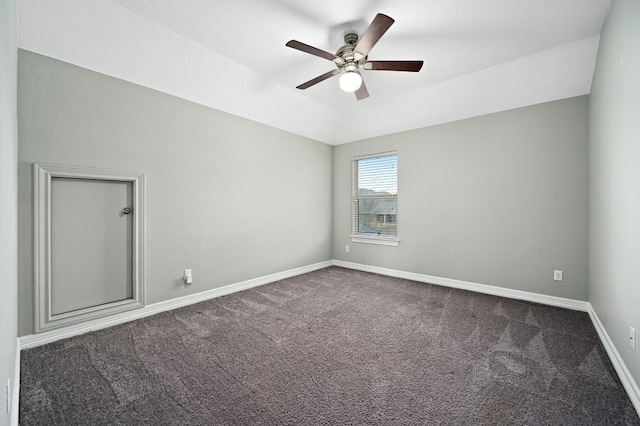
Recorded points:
(356,237)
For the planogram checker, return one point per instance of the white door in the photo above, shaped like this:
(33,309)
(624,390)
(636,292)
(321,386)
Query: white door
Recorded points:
(91,243)
(89,240)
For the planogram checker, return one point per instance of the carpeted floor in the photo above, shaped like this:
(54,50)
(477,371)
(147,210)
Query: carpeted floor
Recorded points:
(332,347)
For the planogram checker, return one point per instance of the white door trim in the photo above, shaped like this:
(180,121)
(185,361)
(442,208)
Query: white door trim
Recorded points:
(42,176)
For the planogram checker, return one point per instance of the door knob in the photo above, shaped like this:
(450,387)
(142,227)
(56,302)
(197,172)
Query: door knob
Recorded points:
(126,210)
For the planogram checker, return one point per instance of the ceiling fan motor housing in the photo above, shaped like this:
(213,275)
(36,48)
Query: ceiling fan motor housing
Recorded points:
(349,60)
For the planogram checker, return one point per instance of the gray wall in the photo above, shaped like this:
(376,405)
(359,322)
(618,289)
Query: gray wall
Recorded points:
(230,198)
(8,200)
(498,200)
(614,195)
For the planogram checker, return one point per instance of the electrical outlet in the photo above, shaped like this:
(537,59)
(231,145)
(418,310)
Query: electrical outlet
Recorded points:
(346,249)
(632,338)
(557,275)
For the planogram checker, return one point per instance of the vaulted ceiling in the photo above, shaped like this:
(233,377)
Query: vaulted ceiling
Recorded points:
(480,56)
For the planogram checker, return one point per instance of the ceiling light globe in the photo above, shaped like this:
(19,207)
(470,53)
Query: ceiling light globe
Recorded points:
(350,81)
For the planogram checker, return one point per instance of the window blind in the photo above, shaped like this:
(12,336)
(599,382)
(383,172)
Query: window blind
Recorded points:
(375,193)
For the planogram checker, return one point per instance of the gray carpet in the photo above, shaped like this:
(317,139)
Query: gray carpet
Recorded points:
(332,347)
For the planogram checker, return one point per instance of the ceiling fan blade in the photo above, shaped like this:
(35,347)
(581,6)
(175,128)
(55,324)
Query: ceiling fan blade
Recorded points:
(411,66)
(318,79)
(298,45)
(362,92)
(378,27)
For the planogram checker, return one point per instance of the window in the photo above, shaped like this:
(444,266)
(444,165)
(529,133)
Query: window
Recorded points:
(375,199)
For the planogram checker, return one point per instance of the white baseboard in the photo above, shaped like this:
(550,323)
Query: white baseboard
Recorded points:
(627,380)
(15,391)
(576,305)
(33,340)
(624,374)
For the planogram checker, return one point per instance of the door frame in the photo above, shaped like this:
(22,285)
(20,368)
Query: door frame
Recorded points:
(42,177)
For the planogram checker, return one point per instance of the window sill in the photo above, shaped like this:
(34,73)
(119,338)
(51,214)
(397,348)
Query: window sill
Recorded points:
(375,239)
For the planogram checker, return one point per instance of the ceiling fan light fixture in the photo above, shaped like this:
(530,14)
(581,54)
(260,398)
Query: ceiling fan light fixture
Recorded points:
(350,81)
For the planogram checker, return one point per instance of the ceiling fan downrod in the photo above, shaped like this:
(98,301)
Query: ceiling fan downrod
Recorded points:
(351,38)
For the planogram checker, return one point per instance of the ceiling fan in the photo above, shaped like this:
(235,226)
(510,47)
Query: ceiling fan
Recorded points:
(351,58)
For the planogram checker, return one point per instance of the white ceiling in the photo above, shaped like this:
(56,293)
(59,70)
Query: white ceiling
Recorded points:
(481,56)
